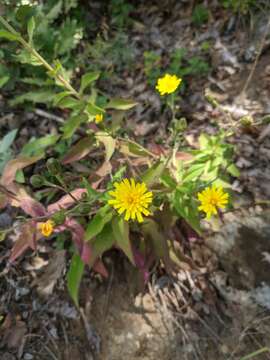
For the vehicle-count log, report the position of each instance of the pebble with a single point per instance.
(28, 356)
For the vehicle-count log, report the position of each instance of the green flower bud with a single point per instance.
(247, 120)
(59, 217)
(37, 181)
(84, 208)
(54, 166)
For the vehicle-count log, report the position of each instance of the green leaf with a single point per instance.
(87, 79)
(9, 36)
(30, 28)
(24, 12)
(55, 11)
(74, 277)
(58, 97)
(121, 234)
(36, 147)
(233, 170)
(7, 140)
(98, 222)
(4, 80)
(103, 242)
(72, 124)
(38, 96)
(108, 142)
(204, 141)
(120, 104)
(93, 109)
(20, 177)
(188, 209)
(194, 172)
(153, 173)
(92, 193)
(70, 103)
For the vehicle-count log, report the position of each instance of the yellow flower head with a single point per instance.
(46, 228)
(168, 84)
(132, 198)
(211, 199)
(98, 118)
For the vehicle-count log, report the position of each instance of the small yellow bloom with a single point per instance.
(211, 199)
(132, 198)
(46, 228)
(98, 118)
(168, 84)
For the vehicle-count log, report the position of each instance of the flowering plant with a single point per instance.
(107, 190)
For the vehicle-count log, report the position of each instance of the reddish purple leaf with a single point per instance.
(66, 201)
(140, 262)
(32, 207)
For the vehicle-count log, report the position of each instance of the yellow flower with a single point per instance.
(168, 84)
(132, 198)
(46, 228)
(98, 118)
(211, 199)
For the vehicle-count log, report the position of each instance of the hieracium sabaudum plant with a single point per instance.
(133, 193)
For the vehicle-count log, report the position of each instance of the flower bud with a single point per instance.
(54, 166)
(37, 181)
(59, 217)
(247, 120)
(84, 208)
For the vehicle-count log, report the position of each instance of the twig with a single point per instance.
(256, 60)
(49, 116)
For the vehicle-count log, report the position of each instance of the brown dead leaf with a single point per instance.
(79, 150)
(26, 239)
(14, 165)
(52, 273)
(12, 332)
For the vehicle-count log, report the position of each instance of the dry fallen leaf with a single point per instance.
(51, 274)
(12, 332)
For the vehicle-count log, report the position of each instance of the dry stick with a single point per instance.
(49, 116)
(256, 60)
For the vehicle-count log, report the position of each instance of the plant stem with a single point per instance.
(29, 48)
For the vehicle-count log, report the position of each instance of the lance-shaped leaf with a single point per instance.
(103, 242)
(37, 147)
(121, 234)
(187, 207)
(121, 104)
(95, 226)
(30, 29)
(87, 80)
(153, 174)
(72, 124)
(74, 277)
(79, 150)
(9, 36)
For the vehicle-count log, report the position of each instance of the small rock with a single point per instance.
(28, 356)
